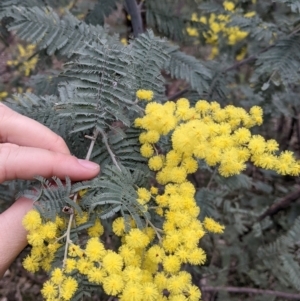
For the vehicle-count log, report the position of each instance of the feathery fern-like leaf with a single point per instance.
(42, 26)
(31, 3)
(286, 268)
(206, 199)
(160, 15)
(51, 199)
(103, 90)
(124, 145)
(184, 66)
(118, 193)
(282, 60)
(259, 30)
(292, 269)
(148, 59)
(42, 110)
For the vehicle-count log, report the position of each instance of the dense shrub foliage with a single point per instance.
(191, 109)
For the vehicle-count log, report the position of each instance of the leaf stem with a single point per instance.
(68, 240)
(112, 155)
(93, 140)
(211, 178)
(68, 231)
(61, 237)
(156, 230)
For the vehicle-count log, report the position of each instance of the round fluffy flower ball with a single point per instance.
(146, 150)
(49, 290)
(143, 194)
(156, 163)
(144, 94)
(113, 284)
(32, 220)
(68, 288)
(137, 239)
(152, 136)
(178, 174)
(118, 226)
(171, 264)
(112, 262)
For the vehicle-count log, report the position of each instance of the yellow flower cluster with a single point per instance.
(46, 240)
(150, 268)
(218, 27)
(219, 136)
(59, 286)
(42, 237)
(150, 261)
(25, 63)
(141, 270)
(181, 231)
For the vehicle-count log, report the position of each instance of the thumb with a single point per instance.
(19, 162)
(13, 235)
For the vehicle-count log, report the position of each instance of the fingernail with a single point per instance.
(88, 164)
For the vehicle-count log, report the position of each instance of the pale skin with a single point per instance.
(27, 149)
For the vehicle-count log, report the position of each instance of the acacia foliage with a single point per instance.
(102, 76)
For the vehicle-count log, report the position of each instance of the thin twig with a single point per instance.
(234, 66)
(112, 155)
(281, 204)
(93, 140)
(22, 63)
(153, 207)
(136, 18)
(211, 178)
(68, 231)
(249, 290)
(178, 94)
(28, 59)
(61, 237)
(297, 124)
(68, 239)
(156, 230)
(249, 59)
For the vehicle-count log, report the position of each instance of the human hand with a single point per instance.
(27, 149)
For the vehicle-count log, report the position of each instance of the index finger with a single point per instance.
(21, 130)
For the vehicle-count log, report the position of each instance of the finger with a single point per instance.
(12, 233)
(21, 130)
(19, 162)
